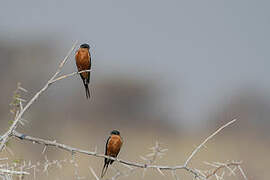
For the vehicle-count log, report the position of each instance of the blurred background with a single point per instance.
(167, 71)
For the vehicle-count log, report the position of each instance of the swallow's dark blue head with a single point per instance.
(115, 132)
(85, 46)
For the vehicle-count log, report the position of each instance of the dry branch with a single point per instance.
(207, 139)
(68, 75)
(6, 136)
(159, 168)
(7, 171)
(223, 166)
(91, 153)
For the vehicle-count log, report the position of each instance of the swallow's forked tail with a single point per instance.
(104, 170)
(86, 83)
(87, 92)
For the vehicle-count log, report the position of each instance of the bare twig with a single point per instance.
(242, 172)
(205, 141)
(6, 171)
(93, 172)
(68, 75)
(218, 168)
(175, 175)
(6, 136)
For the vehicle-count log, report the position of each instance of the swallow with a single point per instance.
(83, 62)
(113, 146)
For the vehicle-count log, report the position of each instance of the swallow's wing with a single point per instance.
(106, 161)
(106, 147)
(90, 59)
(89, 68)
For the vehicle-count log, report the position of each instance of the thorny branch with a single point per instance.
(18, 117)
(221, 166)
(6, 171)
(149, 163)
(207, 139)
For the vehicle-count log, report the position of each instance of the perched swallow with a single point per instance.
(113, 146)
(83, 62)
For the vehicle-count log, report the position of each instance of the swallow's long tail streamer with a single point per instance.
(87, 92)
(104, 170)
(86, 83)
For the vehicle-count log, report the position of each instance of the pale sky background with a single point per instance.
(202, 52)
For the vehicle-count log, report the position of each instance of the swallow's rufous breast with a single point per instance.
(114, 145)
(83, 62)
